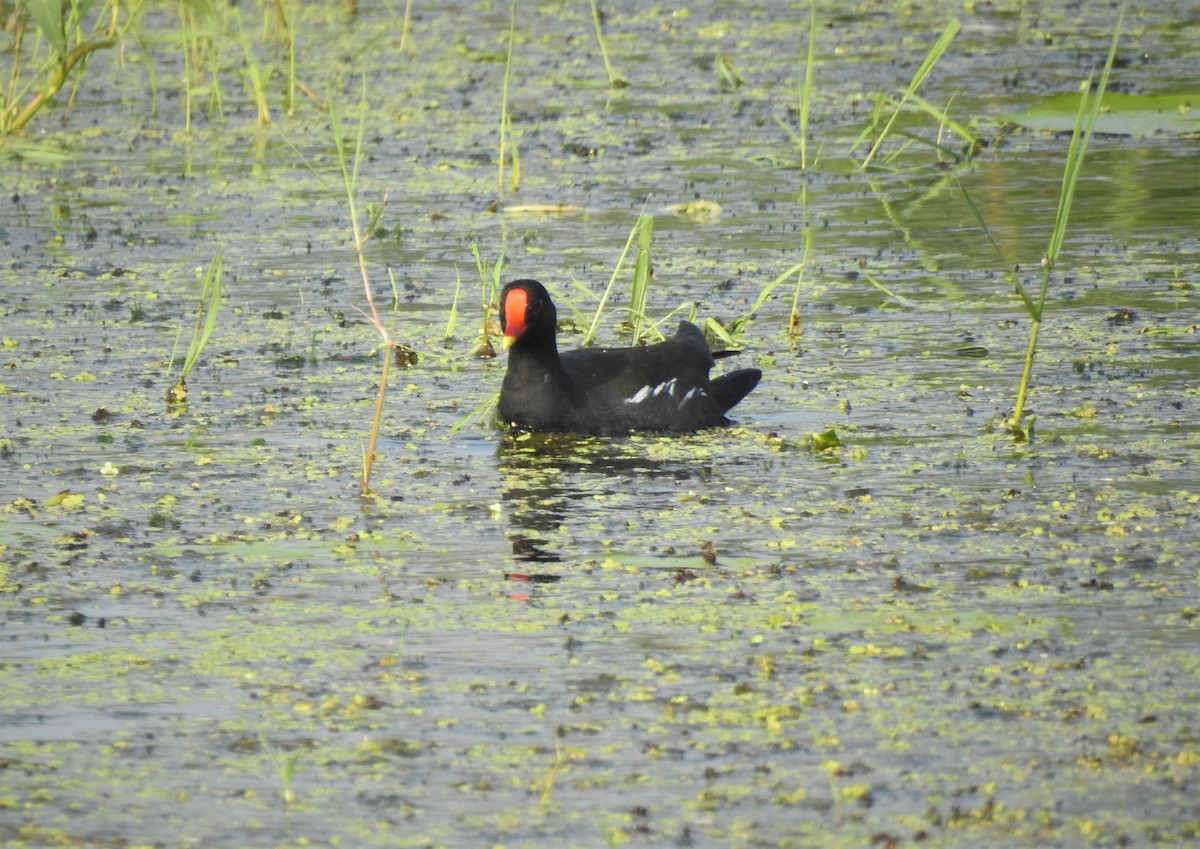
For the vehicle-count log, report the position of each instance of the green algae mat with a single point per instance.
(864, 616)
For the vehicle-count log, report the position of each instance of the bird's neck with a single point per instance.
(537, 352)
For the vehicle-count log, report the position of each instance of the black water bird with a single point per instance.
(663, 387)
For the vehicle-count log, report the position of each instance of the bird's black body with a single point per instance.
(663, 387)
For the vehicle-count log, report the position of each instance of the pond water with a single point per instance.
(931, 634)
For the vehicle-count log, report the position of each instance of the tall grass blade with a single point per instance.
(288, 39)
(590, 336)
(795, 324)
(452, 320)
(481, 412)
(505, 123)
(943, 118)
(515, 158)
(728, 78)
(615, 80)
(55, 79)
(935, 53)
(766, 291)
(407, 45)
(256, 76)
(1030, 307)
(806, 89)
(206, 318)
(977, 214)
(899, 299)
(804, 99)
(285, 768)
(185, 21)
(1085, 121)
(641, 275)
(714, 328)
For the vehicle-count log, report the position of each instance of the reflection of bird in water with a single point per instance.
(552, 480)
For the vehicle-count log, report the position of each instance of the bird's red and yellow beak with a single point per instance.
(513, 318)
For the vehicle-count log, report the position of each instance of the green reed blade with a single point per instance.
(806, 89)
(940, 115)
(206, 315)
(641, 274)
(615, 80)
(590, 336)
(1085, 121)
(504, 119)
(935, 53)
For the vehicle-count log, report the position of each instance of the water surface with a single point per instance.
(931, 635)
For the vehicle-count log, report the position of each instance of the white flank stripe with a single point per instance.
(648, 391)
(639, 396)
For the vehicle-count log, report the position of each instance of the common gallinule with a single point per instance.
(607, 390)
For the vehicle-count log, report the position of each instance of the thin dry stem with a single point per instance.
(389, 346)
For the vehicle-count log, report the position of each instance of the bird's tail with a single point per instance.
(730, 388)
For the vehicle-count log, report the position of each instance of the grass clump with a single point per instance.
(285, 768)
(881, 127)
(45, 55)
(206, 321)
(489, 295)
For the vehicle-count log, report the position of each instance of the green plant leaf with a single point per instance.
(1120, 114)
(49, 17)
(825, 441)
